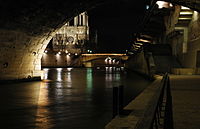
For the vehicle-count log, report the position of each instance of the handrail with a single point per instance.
(159, 109)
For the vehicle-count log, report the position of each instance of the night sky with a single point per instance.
(116, 24)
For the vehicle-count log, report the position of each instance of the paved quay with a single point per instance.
(186, 101)
(185, 98)
(137, 108)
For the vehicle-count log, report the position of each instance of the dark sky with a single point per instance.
(116, 24)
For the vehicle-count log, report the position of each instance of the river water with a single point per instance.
(67, 98)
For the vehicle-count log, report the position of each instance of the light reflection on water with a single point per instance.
(89, 80)
(58, 74)
(45, 73)
(42, 120)
(71, 98)
(77, 89)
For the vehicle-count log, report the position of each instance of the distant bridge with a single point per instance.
(103, 59)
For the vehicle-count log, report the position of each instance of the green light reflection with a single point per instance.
(89, 80)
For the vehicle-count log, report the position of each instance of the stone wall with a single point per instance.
(138, 63)
(189, 59)
(21, 54)
(53, 59)
(186, 50)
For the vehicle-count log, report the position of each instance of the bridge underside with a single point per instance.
(27, 27)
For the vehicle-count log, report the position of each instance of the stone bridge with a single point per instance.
(106, 59)
(92, 57)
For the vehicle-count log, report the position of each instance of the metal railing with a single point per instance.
(158, 114)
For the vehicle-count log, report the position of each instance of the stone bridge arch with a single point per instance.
(25, 30)
(27, 27)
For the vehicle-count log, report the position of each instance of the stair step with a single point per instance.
(186, 12)
(184, 18)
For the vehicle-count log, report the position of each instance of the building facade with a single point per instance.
(68, 44)
(73, 36)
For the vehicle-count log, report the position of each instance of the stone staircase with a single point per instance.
(185, 17)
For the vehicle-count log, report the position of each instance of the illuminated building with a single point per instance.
(73, 35)
(68, 44)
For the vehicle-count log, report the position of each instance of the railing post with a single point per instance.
(121, 99)
(115, 101)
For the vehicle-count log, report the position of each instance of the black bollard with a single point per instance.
(115, 101)
(121, 99)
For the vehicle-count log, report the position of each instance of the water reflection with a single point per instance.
(59, 74)
(45, 76)
(89, 80)
(71, 98)
(80, 96)
(77, 98)
(112, 76)
(69, 79)
(42, 119)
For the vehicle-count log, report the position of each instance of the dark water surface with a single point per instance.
(68, 98)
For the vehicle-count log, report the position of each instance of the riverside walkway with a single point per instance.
(186, 101)
(185, 90)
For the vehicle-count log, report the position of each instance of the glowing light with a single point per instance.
(45, 74)
(195, 16)
(42, 102)
(76, 54)
(46, 69)
(186, 13)
(137, 46)
(59, 53)
(59, 69)
(184, 18)
(162, 4)
(69, 54)
(147, 6)
(59, 74)
(183, 7)
(138, 43)
(89, 80)
(143, 40)
(45, 51)
(69, 69)
(104, 54)
(69, 80)
(110, 61)
(66, 51)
